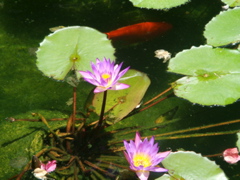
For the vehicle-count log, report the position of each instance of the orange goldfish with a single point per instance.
(139, 32)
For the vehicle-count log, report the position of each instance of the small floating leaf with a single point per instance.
(212, 75)
(189, 165)
(120, 103)
(224, 28)
(158, 4)
(72, 48)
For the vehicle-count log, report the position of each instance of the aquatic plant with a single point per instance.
(44, 169)
(158, 4)
(211, 74)
(105, 76)
(87, 144)
(71, 49)
(143, 156)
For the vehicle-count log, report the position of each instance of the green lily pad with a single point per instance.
(189, 165)
(120, 103)
(232, 3)
(238, 141)
(72, 48)
(166, 177)
(224, 28)
(158, 4)
(212, 75)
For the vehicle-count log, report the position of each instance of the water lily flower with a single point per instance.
(231, 155)
(143, 156)
(40, 173)
(50, 166)
(105, 75)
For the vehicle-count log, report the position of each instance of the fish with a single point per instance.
(143, 31)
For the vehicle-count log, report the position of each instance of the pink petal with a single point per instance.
(151, 141)
(231, 155)
(163, 154)
(43, 166)
(99, 89)
(143, 175)
(119, 86)
(85, 74)
(123, 71)
(158, 169)
(137, 139)
(127, 157)
(51, 166)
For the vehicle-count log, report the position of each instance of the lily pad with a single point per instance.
(238, 141)
(72, 48)
(232, 3)
(224, 28)
(120, 103)
(158, 4)
(212, 75)
(189, 165)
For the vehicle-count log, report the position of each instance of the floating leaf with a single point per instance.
(120, 103)
(224, 28)
(72, 48)
(189, 165)
(238, 141)
(232, 3)
(158, 4)
(212, 75)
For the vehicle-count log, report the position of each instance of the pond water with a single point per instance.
(24, 89)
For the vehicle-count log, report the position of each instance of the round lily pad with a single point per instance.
(224, 28)
(189, 165)
(212, 75)
(72, 48)
(158, 4)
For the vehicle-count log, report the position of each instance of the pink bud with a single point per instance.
(50, 166)
(231, 155)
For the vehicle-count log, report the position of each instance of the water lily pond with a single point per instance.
(85, 82)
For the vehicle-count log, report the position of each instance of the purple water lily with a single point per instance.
(143, 156)
(105, 75)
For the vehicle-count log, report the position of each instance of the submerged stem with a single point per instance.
(198, 128)
(198, 135)
(160, 100)
(94, 166)
(157, 96)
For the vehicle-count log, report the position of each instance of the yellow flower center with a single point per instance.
(106, 75)
(142, 160)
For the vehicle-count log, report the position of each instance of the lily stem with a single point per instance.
(74, 108)
(100, 122)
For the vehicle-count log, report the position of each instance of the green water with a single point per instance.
(24, 89)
